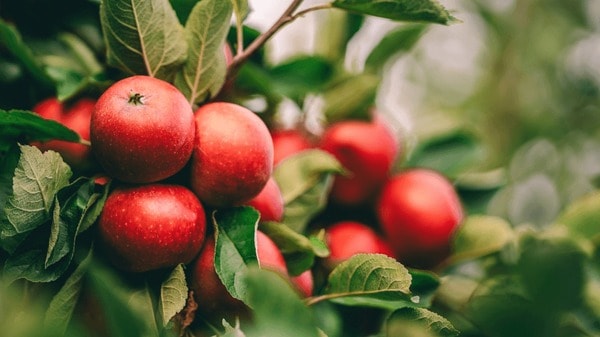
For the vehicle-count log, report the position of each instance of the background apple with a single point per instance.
(142, 130)
(152, 226)
(75, 116)
(367, 150)
(269, 202)
(347, 238)
(233, 154)
(419, 211)
(287, 142)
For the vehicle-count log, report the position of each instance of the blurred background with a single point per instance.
(507, 101)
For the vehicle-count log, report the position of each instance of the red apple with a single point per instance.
(152, 226)
(142, 130)
(269, 202)
(233, 154)
(288, 142)
(77, 118)
(347, 238)
(367, 150)
(304, 283)
(269, 255)
(419, 211)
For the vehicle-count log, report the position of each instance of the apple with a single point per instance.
(367, 149)
(269, 202)
(152, 226)
(232, 155)
(287, 142)
(76, 117)
(142, 130)
(419, 210)
(304, 283)
(347, 238)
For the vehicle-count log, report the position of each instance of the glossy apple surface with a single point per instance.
(233, 154)
(151, 226)
(76, 117)
(142, 130)
(367, 149)
(419, 211)
(269, 202)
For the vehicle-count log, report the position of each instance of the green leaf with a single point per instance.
(16, 124)
(480, 235)
(305, 179)
(299, 76)
(63, 304)
(397, 41)
(37, 178)
(173, 294)
(427, 321)
(241, 9)
(298, 250)
(123, 318)
(203, 74)
(13, 42)
(71, 209)
(451, 153)
(277, 309)
(552, 270)
(8, 164)
(235, 246)
(351, 98)
(143, 37)
(30, 265)
(370, 280)
(581, 217)
(423, 286)
(400, 10)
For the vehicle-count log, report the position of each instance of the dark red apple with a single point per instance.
(142, 130)
(151, 226)
(269, 202)
(367, 150)
(347, 238)
(419, 211)
(288, 142)
(76, 117)
(233, 154)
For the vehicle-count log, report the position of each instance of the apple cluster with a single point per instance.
(143, 132)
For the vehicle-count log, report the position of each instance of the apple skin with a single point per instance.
(288, 142)
(142, 130)
(347, 238)
(304, 283)
(152, 226)
(419, 210)
(233, 154)
(367, 149)
(269, 202)
(77, 118)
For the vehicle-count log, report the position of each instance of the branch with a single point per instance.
(287, 17)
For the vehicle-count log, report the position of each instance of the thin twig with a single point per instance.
(240, 36)
(311, 9)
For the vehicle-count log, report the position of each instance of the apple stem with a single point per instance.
(136, 99)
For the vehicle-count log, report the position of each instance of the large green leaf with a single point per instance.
(37, 178)
(277, 309)
(143, 37)
(173, 294)
(18, 124)
(29, 264)
(297, 77)
(235, 246)
(203, 74)
(402, 10)
(305, 179)
(373, 280)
